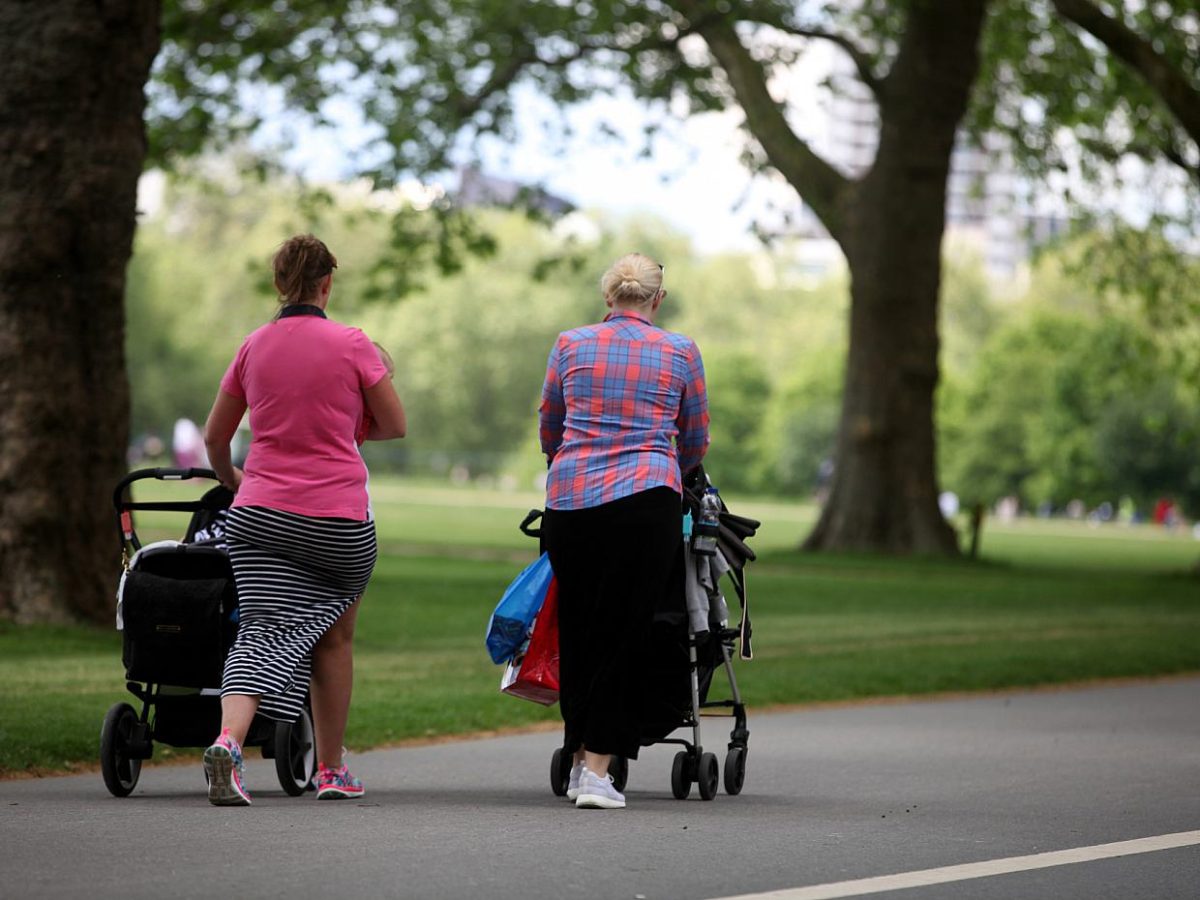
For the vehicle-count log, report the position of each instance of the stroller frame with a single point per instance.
(183, 717)
(692, 765)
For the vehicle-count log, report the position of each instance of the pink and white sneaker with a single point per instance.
(337, 784)
(224, 769)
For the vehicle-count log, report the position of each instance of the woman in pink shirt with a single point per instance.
(301, 541)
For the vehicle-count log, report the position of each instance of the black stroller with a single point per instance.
(691, 638)
(177, 606)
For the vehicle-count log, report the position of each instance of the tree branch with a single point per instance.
(862, 62)
(502, 77)
(821, 185)
(1179, 95)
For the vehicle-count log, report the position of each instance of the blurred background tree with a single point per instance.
(1051, 396)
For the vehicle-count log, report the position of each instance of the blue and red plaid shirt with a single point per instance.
(624, 409)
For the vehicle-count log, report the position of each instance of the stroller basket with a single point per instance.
(177, 601)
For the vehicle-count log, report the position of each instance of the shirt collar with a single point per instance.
(627, 314)
(300, 309)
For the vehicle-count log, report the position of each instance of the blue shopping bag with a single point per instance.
(510, 623)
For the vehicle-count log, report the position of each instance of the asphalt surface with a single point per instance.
(831, 794)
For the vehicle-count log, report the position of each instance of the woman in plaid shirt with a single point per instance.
(624, 415)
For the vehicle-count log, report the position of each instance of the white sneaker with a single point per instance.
(573, 782)
(598, 793)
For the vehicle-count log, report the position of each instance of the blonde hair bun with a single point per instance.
(633, 280)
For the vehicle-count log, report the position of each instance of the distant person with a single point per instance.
(624, 415)
(300, 539)
(1164, 512)
(187, 445)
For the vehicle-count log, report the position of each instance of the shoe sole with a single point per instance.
(572, 794)
(223, 788)
(597, 801)
(337, 794)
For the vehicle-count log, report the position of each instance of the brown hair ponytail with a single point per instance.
(300, 264)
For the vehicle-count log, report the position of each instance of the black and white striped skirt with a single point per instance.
(295, 576)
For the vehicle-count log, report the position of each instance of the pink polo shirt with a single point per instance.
(303, 378)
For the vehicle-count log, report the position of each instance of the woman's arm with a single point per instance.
(552, 413)
(387, 412)
(692, 421)
(222, 424)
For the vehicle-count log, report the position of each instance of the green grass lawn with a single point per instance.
(1049, 602)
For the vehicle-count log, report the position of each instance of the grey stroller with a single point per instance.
(692, 638)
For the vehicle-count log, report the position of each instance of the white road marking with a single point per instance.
(926, 877)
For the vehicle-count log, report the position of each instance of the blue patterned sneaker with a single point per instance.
(573, 781)
(598, 793)
(225, 772)
(337, 784)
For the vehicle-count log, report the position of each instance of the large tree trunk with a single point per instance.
(72, 145)
(884, 492)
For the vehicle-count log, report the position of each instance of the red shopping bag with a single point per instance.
(534, 676)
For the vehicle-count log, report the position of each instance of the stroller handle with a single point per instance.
(162, 474)
(532, 516)
(123, 507)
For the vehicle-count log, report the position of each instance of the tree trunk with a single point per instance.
(884, 495)
(72, 145)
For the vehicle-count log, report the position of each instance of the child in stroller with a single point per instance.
(177, 608)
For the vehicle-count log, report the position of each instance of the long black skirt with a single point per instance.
(614, 564)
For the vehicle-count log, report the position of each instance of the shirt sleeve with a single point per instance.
(371, 369)
(692, 421)
(552, 413)
(231, 381)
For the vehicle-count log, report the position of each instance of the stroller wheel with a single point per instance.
(735, 770)
(119, 768)
(619, 770)
(708, 776)
(681, 779)
(560, 772)
(295, 753)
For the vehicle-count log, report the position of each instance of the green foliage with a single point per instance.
(471, 349)
(1146, 446)
(471, 352)
(1042, 75)
(1065, 394)
(739, 390)
(1071, 397)
(800, 432)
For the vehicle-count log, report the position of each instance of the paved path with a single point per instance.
(832, 796)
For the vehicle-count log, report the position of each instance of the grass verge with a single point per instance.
(1049, 603)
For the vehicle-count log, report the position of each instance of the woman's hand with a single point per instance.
(234, 481)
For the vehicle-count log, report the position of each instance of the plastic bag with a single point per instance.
(509, 626)
(534, 676)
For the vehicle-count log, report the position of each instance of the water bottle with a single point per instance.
(707, 526)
